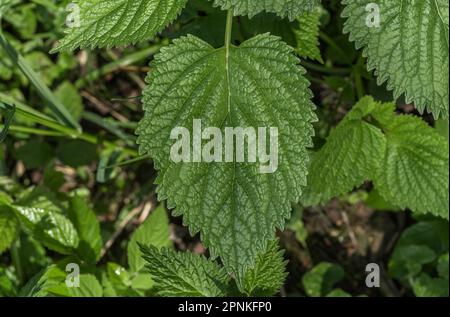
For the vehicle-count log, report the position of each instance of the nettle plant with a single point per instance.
(259, 83)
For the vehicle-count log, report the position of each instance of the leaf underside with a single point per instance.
(409, 50)
(233, 205)
(283, 8)
(108, 23)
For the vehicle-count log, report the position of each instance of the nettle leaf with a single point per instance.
(108, 23)
(405, 158)
(307, 35)
(352, 151)
(9, 227)
(235, 207)
(283, 8)
(184, 274)
(408, 48)
(414, 171)
(268, 275)
(154, 231)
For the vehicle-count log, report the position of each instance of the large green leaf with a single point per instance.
(408, 48)
(184, 274)
(259, 84)
(107, 23)
(284, 8)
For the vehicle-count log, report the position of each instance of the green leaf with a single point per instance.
(268, 275)
(154, 231)
(51, 282)
(320, 279)
(108, 23)
(235, 207)
(47, 281)
(88, 228)
(7, 286)
(407, 261)
(414, 172)
(443, 266)
(9, 227)
(68, 94)
(405, 158)
(409, 48)
(34, 154)
(426, 286)
(307, 35)
(76, 153)
(338, 293)
(89, 287)
(120, 280)
(434, 234)
(283, 8)
(184, 274)
(45, 221)
(352, 151)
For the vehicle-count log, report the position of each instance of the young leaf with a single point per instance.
(414, 171)
(88, 228)
(353, 150)
(259, 84)
(268, 274)
(184, 274)
(307, 35)
(406, 42)
(154, 231)
(283, 8)
(9, 227)
(108, 23)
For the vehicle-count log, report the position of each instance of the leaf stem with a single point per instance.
(60, 112)
(228, 29)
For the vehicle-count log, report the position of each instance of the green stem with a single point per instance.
(59, 110)
(228, 29)
(40, 118)
(16, 260)
(337, 48)
(116, 65)
(326, 70)
(33, 131)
